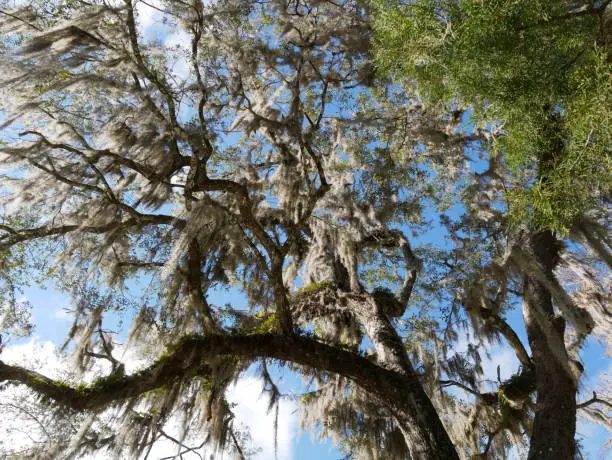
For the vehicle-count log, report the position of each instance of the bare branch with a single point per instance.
(594, 400)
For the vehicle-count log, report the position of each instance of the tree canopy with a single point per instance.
(524, 66)
(373, 181)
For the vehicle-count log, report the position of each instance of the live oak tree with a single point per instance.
(541, 72)
(263, 154)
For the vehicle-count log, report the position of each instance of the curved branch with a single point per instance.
(179, 443)
(187, 360)
(159, 83)
(403, 395)
(489, 398)
(274, 250)
(448, 383)
(14, 16)
(513, 339)
(594, 400)
(396, 238)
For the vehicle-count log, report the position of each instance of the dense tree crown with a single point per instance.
(539, 70)
(374, 180)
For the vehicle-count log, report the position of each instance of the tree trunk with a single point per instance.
(425, 434)
(554, 425)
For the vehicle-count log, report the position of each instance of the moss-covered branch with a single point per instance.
(187, 357)
(402, 394)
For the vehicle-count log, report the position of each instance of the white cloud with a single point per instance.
(148, 17)
(180, 40)
(62, 314)
(153, 24)
(250, 410)
(40, 356)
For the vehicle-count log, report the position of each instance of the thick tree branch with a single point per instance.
(402, 395)
(395, 238)
(187, 360)
(509, 334)
(274, 250)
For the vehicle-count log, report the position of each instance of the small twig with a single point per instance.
(29, 24)
(176, 441)
(448, 383)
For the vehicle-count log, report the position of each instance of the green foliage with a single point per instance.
(173, 347)
(102, 382)
(267, 325)
(312, 288)
(259, 323)
(515, 63)
(308, 398)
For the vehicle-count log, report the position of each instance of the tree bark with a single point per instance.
(554, 425)
(418, 419)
